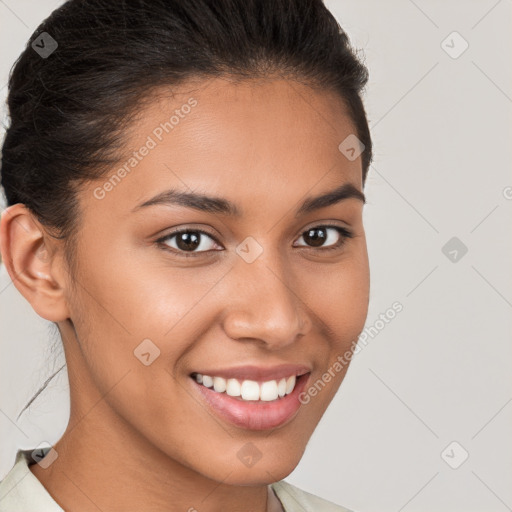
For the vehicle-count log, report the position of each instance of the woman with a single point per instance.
(185, 187)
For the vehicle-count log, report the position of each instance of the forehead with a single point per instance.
(259, 140)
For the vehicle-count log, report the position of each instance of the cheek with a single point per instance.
(133, 312)
(340, 300)
(140, 294)
(340, 296)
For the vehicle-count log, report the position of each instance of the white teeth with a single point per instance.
(219, 384)
(290, 384)
(268, 391)
(233, 387)
(281, 387)
(207, 381)
(249, 389)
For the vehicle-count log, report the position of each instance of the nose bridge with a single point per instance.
(265, 305)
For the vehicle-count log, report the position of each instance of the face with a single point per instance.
(259, 283)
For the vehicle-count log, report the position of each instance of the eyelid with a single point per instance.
(325, 224)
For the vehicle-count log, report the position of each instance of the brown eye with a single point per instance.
(316, 236)
(188, 241)
(328, 237)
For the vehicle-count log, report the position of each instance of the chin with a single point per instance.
(268, 469)
(252, 477)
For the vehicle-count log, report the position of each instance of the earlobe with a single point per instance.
(32, 264)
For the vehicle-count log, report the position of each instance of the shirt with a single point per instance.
(21, 491)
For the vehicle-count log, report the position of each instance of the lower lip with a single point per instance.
(254, 415)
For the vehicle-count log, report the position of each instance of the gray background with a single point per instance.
(440, 371)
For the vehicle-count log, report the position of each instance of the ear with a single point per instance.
(34, 263)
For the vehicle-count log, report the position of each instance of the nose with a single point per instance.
(265, 304)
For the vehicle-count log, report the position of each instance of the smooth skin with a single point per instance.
(138, 438)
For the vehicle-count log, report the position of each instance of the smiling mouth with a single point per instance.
(250, 404)
(247, 389)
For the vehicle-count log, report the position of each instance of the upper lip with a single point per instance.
(258, 373)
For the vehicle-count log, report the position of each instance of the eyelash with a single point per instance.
(344, 232)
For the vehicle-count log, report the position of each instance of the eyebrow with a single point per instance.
(223, 206)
